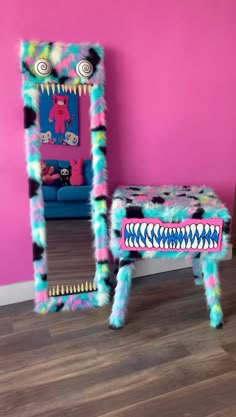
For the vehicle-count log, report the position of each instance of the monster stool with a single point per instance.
(168, 222)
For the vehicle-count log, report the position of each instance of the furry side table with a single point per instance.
(168, 222)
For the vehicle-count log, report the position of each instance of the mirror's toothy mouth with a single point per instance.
(65, 88)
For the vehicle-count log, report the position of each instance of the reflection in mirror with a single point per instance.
(67, 183)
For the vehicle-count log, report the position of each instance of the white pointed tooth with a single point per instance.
(74, 89)
(188, 244)
(127, 227)
(187, 228)
(80, 89)
(63, 88)
(66, 88)
(70, 88)
(211, 244)
(155, 229)
(206, 245)
(217, 230)
(127, 242)
(131, 226)
(171, 245)
(166, 231)
(174, 230)
(200, 246)
(212, 227)
(89, 88)
(170, 230)
(48, 88)
(155, 243)
(143, 229)
(161, 244)
(58, 88)
(136, 243)
(53, 88)
(161, 230)
(183, 244)
(136, 227)
(149, 230)
(193, 229)
(215, 244)
(85, 88)
(131, 245)
(178, 245)
(42, 87)
(178, 230)
(194, 245)
(200, 228)
(148, 243)
(166, 245)
(207, 227)
(141, 244)
(183, 230)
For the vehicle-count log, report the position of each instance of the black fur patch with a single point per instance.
(135, 255)
(50, 44)
(181, 195)
(27, 68)
(37, 252)
(134, 188)
(104, 217)
(166, 193)
(125, 262)
(129, 200)
(54, 73)
(29, 117)
(117, 233)
(33, 187)
(107, 282)
(198, 213)
(103, 149)
(201, 191)
(59, 307)
(193, 197)
(134, 212)
(94, 58)
(198, 255)
(100, 197)
(63, 79)
(44, 277)
(104, 262)
(98, 128)
(220, 325)
(226, 227)
(186, 186)
(158, 200)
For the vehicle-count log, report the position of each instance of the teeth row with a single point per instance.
(151, 244)
(66, 88)
(134, 227)
(71, 289)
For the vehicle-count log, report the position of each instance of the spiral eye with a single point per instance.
(84, 68)
(42, 67)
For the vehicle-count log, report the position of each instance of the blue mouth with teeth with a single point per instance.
(153, 236)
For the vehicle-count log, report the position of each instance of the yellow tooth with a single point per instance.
(74, 89)
(66, 88)
(58, 88)
(53, 291)
(50, 292)
(57, 290)
(53, 88)
(47, 88)
(63, 88)
(78, 288)
(85, 88)
(67, 289)
(90, 286)
(71, 289)
(80, 89)
(94, 286)
(62, 290)
(75, 290)
(86, 286)
(82, 287)
(42, 87)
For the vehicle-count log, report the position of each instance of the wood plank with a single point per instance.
(5, 326)
(23, 341)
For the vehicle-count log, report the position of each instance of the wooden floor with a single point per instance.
(166, 362)
(70, 251)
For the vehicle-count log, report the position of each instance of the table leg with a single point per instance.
(121, 298)
(197, 269)
(212, 291)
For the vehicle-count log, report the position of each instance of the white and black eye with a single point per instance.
(84, 68)
(42, 67)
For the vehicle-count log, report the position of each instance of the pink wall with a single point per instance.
(73, 152)
(170, 90)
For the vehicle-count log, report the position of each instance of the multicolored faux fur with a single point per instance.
(173, 206)
(65, 67)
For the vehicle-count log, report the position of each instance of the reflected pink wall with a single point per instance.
(171, 91)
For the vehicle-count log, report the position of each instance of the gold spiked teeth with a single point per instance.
(57, 290)
(66, 88)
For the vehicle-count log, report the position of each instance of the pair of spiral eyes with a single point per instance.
(43, 68)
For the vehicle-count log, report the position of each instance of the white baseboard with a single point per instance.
(24, 291)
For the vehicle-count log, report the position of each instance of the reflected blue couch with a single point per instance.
(68, 201)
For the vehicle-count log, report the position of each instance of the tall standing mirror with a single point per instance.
(65, 136)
